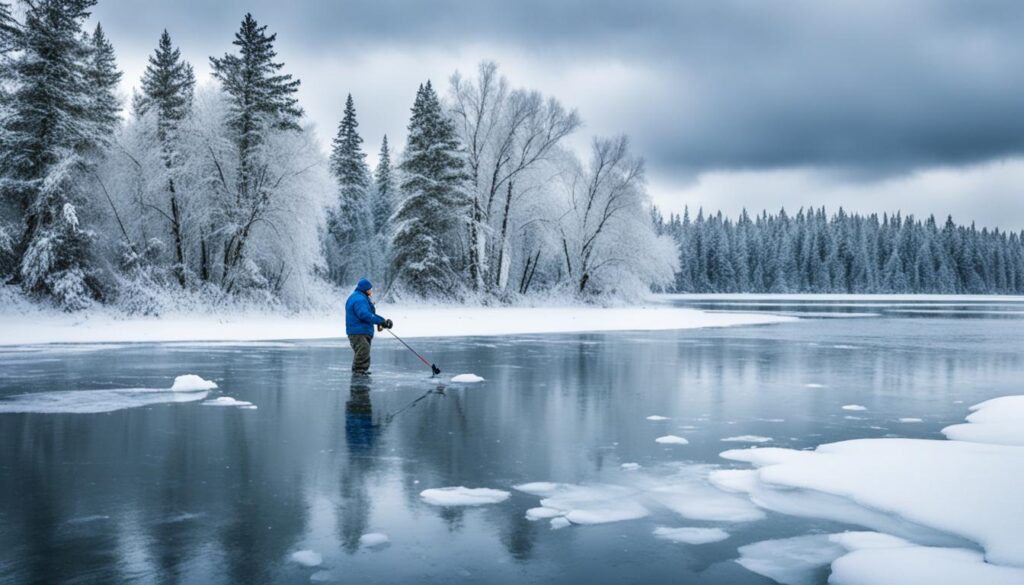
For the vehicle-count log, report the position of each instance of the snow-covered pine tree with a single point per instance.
(351, 223)
(434, 203)
(383, 206)
(168, 86)
(261, 101)
(102, 76)
(48, 130)
(9, 34)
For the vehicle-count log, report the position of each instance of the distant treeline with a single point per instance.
(842, 253)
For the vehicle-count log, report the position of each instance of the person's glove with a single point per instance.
(388, 324)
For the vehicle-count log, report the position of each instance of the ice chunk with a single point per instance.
(802, 560)
(307, 558)
(94, 401)
(229, 401)
(585, 504)
(747, 439)
(657, 417)
(542, 513)
(463, 496)
(191, 383)
(671, 440)
(630, 466)
(559, 522)
(537, 488)
(373, 539)
(691, 535)
(466, 379)
(854, 407)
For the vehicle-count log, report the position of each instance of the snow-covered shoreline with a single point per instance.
(410, 321)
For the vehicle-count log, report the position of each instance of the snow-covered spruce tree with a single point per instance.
(383, 206)
(433, 206)
(102, 77)
(604, 221)
(262, 104)
(168, 85)
(9, 213)
(350, 246)
(50, 129)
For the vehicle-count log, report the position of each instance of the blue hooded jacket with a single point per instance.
(360, 316)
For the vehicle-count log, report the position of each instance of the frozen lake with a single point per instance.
(191, 493)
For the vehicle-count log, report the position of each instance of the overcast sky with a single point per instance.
(872, 105)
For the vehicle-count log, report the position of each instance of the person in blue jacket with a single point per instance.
(360, 319)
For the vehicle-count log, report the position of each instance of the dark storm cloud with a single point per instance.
(871, 87)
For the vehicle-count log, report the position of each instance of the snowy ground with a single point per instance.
(420, 321)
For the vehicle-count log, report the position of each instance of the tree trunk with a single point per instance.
(179, 251)
(502, 268)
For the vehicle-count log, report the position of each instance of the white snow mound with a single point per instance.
(229, 401)
(191, 383)
(463, 496)
(466, 379)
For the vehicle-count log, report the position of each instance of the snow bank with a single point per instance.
(466, 379)
(411, 321)
(935, 492)
(307, 558)
(187, 388)
(463, 496)
(921, 565)
(999, 421)
(690, 535)
(671, 440)
(191, 383)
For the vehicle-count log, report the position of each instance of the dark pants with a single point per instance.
(360, 352)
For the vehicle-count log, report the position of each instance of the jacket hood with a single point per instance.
(364, 285)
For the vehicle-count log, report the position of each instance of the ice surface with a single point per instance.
(93, 401)
(191, 383)
(373, 539)
(321, 577)
(229, 401)
(856, 407)
(307, 558)
(747, 439)
(466, 379)
(691, 535)
(657, 417)
(671, 440)
(463, 496)
(801, 560)
(630, 466)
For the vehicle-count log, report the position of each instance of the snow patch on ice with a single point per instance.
(671, 440)
(229, 401)
(855, 407)
(911, 419)
(999, 421)
(466, 379)
(630, 466)
(814, 385)
(920, 565)
(463, 496)
(691, 535)
(657, 417)
(542, 513)
(373, 540)
(560, 522)
(748, 439)
(307, 558)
